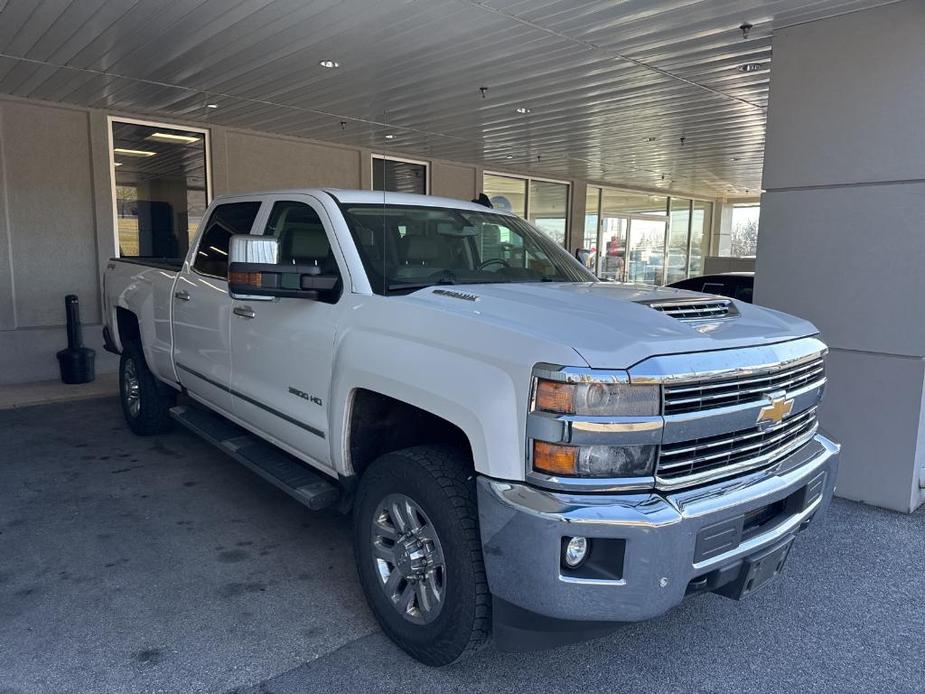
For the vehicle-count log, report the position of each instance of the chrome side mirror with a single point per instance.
(246, 248)
(254, 273)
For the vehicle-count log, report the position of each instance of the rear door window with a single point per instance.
(228, 219)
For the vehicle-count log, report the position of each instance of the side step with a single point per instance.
(277, 467)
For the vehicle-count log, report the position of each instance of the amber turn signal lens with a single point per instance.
(553, 396)
(250, 279)
(554, 459)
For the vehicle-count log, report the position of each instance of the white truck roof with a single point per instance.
(373, 197)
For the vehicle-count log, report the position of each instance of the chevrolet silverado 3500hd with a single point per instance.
(526, 450)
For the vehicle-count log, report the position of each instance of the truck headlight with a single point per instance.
(593, 461)
(597, 399)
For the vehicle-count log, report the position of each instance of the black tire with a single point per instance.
(440, 481)
(152, 413)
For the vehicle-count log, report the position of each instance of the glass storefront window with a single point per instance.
(745, 230)
(647, 252)
(678, 228)
(161, 190)
(592, 215)
(506, 193)
(399, 176)
(701, 219)
(548, 209)
(543, 203)
(612, 264)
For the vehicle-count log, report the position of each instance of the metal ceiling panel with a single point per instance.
(611, 87)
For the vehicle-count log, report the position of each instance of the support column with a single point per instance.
(842, 241)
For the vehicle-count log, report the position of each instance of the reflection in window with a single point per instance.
(161, 188)
(548, 204)
(399, 176)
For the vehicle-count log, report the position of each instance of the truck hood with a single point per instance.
(609, 324)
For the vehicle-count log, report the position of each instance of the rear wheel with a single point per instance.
(419, 555)
(146, 402)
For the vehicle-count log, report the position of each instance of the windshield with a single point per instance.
(406, 247)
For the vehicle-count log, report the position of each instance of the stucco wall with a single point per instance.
(841, 240)
(56, 212)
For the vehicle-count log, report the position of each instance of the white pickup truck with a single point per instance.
(527, 451)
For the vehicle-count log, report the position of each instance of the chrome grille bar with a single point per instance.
(714, 393)
(685, 463)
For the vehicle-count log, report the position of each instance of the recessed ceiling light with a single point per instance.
(133, 152)
(651, 138)
(172, 137)
(754, 67)
(389, 137)
(522, 109)
(211, 105)
(509, 156)
(328, 63)
(117, 163)
(735, 159)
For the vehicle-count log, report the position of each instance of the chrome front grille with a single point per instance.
(696, 310)
(686, 462)
(710, 394)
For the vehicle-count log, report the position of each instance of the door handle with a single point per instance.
(244, 312)
(182, 295)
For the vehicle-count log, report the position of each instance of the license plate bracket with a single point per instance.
(758, 570)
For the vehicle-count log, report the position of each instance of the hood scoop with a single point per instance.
(695, 310)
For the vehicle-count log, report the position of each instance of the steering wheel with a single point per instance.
(493, 261)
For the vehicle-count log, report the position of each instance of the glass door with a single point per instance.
(646, 263)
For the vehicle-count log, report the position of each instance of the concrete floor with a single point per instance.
(160, 565)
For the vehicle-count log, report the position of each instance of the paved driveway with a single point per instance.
(160, 565)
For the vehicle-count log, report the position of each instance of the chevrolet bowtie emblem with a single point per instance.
(777, 408)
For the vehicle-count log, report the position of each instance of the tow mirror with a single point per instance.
(254, 270)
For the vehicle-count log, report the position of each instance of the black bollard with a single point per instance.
(77, 361)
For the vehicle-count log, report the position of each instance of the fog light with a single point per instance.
(576, 551)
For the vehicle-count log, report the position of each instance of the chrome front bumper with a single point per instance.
(522, 529)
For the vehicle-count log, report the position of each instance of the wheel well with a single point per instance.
(380, 424)
(127, 325)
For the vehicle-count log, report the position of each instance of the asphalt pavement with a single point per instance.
(159, 564)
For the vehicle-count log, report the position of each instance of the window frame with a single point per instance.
(527, 197)
(403, 160)
(692, 199)
(110, 119)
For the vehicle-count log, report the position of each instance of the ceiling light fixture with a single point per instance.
(172, 137)
(754, 67)
(211, 105)
(328, 63)
(651, 138)
(117, 163)
(509, 156)
(522, 109)
(133, 152)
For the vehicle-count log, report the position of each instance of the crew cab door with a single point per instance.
(202, 307)
(282, 349)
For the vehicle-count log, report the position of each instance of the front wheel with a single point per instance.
(146, 402)
(419, 555)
